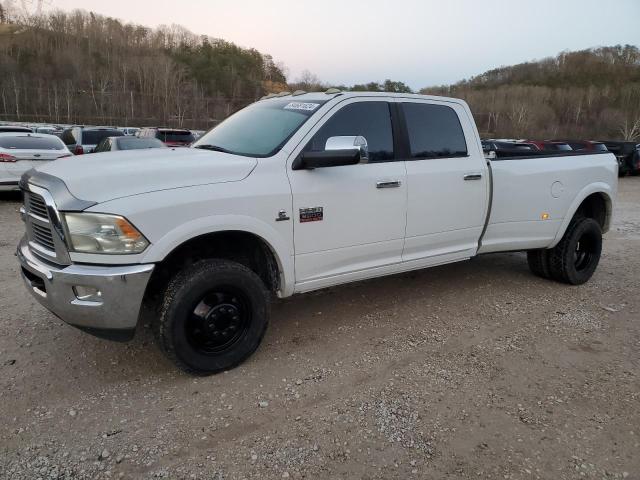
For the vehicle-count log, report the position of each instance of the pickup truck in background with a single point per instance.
(295, 193)
(628, 156)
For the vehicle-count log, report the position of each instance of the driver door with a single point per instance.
(349, 221)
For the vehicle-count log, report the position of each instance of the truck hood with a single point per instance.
(99, 177)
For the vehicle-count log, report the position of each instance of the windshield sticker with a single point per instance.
(309, 107)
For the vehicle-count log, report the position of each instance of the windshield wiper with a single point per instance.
(213, 148)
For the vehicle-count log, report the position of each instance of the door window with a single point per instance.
(434, 131)
(372, 120)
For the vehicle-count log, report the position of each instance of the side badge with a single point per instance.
(282, 216)
(310, 214)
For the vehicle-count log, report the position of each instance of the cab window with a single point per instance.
(434, 131)
(372, 120)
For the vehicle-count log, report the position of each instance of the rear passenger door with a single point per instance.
(447, 182)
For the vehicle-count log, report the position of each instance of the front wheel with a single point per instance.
(577, 255)
(213, 317)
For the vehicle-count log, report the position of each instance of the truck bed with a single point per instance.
(534, 196)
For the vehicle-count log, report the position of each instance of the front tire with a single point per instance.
(575, 258)
(213, 317)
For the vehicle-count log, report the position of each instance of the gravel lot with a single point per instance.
(472, 370)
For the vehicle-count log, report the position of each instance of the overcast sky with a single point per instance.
(422, 43)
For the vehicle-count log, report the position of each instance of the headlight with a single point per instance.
(102, 233)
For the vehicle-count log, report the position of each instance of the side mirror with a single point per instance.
(349, 143)
(339, 151)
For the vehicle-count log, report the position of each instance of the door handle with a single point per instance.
(473, 176)
(389, 184)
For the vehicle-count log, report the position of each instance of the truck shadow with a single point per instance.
(312, 318)
(369, 296)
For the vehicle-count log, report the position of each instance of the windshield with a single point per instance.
(133, 143)
(31, 143)
(175, 136)
(261, 129)
(93, 137)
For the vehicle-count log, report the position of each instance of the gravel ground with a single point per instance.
(472, 370)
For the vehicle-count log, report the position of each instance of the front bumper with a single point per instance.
(113, 314)
(8, 185)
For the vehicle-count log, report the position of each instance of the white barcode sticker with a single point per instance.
(301, 106)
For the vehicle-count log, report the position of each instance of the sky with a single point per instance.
(422, 43)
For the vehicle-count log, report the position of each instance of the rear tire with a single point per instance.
(538, 261)
(576, 257)
(213, 317)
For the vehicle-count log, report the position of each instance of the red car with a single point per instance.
(585, 145)
(550, 145)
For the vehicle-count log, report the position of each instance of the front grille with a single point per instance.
(37, 205)
(42, 235)
(39, 224)
(44, 230)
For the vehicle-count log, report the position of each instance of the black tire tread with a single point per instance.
(182, 280)
(538, 263)
(559, 256)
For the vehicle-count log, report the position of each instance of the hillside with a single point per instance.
(80, 67)
(592, 93)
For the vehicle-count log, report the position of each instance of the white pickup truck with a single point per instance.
(291, 194)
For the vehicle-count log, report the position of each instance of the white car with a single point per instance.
(130, 131)
(20, 152)
(291, 194)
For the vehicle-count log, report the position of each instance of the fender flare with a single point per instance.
(597, 187)
(282, 252)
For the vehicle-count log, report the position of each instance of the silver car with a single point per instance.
(112, 144)
(20, 152)
(81, 139)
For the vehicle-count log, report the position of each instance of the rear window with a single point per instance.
(434, 131)
(15, 129)
(133, 143)
(30, 143)
(175, 136)
(93, 137)
(600, 147)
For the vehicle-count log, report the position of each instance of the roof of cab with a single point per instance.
(333, 94)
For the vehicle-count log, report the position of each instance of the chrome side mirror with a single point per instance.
(349, 143)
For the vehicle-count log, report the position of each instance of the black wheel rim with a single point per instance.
(585, 252)
(218, 321)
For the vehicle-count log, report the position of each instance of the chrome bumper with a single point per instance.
(112, 314)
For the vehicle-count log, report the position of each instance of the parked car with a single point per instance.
(293, 194)
(112, 144)
(130, 131)
(20, 152)
(172, 137)
(628, 156)
(550, 145)
(584, 145)
(508, 148)
(48, 129)
(15, 129)
(80, 139)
